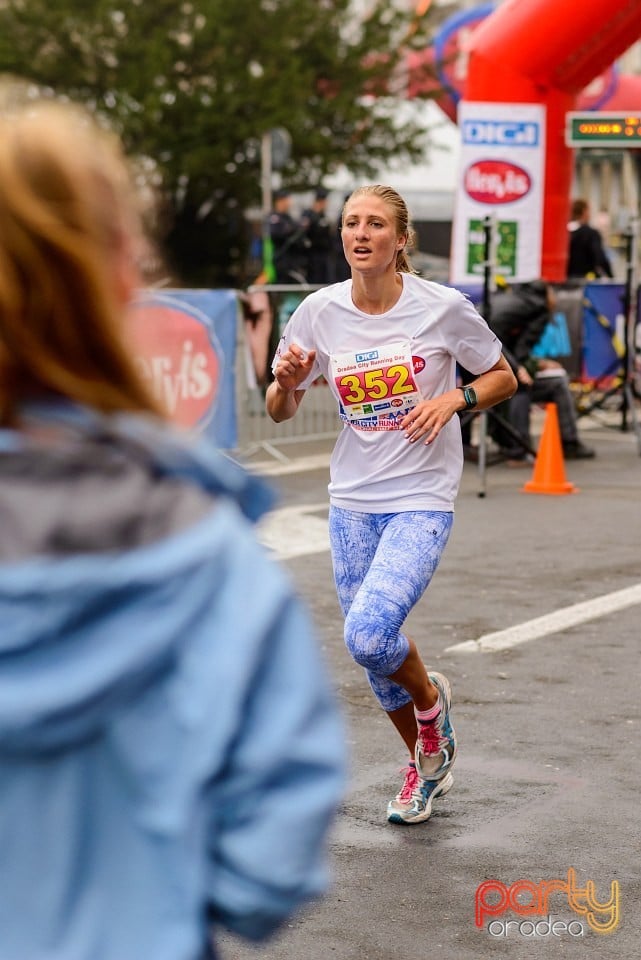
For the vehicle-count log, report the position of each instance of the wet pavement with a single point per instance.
(547, 777)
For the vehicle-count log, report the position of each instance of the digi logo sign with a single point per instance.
(501, 133)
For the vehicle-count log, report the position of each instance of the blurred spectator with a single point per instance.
(342, 269)
(319, 232)
(170, 755)
(586, 255)
(518, 316)
(289, 241)
(259, 320)
(602, 222)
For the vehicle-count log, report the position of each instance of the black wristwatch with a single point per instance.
(469, 394)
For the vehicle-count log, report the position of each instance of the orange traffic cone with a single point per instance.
(549, 468)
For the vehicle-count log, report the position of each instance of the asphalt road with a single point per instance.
(548, 772)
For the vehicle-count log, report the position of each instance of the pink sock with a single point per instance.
(425, 716)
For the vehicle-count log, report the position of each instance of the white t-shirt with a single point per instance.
(378, 367)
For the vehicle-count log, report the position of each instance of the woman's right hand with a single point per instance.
(293, 366)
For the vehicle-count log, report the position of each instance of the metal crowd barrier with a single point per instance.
(266, 308)
(264, 311)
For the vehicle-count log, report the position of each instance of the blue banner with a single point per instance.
(185, 347)
(603, 330)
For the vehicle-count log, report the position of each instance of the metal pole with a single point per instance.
(627, 308)
(629, 312)
(266, 180)
(488, 232)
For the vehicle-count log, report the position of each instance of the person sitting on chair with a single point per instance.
(519, 315)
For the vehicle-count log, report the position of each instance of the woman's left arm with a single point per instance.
(496, 384)
(428, 418)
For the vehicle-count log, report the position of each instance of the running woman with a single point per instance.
(388, 343)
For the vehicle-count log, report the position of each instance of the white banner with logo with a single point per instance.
(502, 171)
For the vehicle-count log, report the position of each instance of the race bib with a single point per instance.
(376, 387)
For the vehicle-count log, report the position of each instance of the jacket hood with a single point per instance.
(84, 633)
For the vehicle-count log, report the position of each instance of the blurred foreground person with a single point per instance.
(170, 754)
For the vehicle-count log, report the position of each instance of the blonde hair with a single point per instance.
(66, 215)
(398, 206)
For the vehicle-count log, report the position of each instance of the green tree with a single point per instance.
(192, 86)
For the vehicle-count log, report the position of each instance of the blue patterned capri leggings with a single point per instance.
(383, 563)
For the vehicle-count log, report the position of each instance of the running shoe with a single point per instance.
(413, 804)
(436, 741)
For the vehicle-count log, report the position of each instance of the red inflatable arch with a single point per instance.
(546, 52)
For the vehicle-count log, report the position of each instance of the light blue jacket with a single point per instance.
(171, 755)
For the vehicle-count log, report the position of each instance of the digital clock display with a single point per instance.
(603, 130)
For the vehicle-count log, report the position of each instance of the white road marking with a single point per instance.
(318, 461)
(551, 623)
(294, 531)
